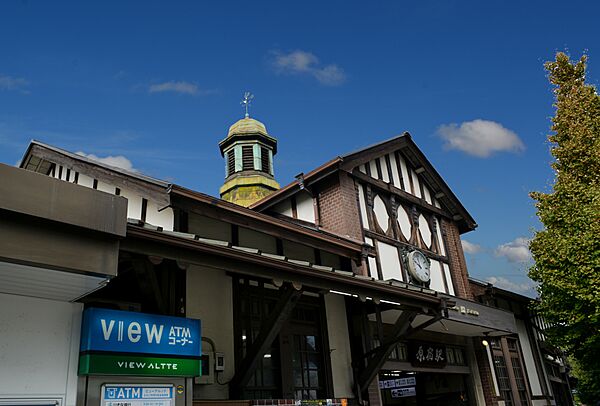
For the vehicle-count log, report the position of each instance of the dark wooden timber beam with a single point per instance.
(379, 184)
(411, 331)
(381, 353)
(269, 330)
(146, 276)
(149, 242)
(225, 211)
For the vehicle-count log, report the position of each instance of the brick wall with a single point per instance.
(339, 211)
(374, 393)
(485, 373)
(338, 207)
(456, 257)
(477, 290)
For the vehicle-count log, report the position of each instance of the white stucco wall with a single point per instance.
(305, 207)
(85, 180)
(39, 347)
(134, 204)
(448, 279)
(339, 343)
(284, 208)
(389, 260)
(532, 375)
(106, 187)
(209, 298)
(404, 171)
(475, 377)
(416, 183)
(363, 206)
(164, 218)
(436, 278)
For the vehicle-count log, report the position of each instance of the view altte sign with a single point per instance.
(128, 343)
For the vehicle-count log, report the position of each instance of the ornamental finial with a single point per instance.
(246, 102)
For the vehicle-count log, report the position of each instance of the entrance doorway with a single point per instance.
(408, 388)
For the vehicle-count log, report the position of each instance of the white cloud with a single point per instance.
(515, 251)
(330, 75)
(12, 83)
(469, 247)
(118, 161)
(480, 138)
(302, 62)
(176, 87)
(296, 61)
(506, 284)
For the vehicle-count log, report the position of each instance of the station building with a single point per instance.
(347, 286)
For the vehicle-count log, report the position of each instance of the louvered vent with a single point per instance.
(230, 163)
(247, 158)
(264, 159)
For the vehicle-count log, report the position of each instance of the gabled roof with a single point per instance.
(221, 209)
(502, 292)
(169, 194)
(351, 161)
(39, 156)
(81, 158)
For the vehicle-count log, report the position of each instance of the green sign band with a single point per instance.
(103, 364)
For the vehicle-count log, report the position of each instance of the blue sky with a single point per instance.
(158, 83)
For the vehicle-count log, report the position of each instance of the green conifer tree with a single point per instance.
(567, 250)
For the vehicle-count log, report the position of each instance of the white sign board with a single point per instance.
(404, 392)
(137, 395)
(397, 383)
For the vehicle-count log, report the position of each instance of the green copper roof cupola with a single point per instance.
(248, 150)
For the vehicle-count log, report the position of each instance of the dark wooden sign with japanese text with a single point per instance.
(427, 355)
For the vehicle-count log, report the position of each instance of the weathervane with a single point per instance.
(246, 102)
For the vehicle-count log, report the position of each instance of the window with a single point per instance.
(294, 365)
(509, 371)
(503, 379)
(264, 160)
(307, 368)
(247, 158)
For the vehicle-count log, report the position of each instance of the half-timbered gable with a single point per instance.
(390, 197)
(400, 211)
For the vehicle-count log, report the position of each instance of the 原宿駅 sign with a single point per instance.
(429, 355)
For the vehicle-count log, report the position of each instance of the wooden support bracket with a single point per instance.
(381, 353)
(270, 328)
(148, 282)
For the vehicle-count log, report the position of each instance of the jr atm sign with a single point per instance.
(139, 344)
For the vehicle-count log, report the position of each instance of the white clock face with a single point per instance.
(418, 265)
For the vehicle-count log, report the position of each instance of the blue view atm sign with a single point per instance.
(141, 333)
